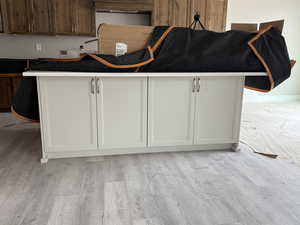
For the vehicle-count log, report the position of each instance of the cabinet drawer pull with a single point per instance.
(93, 86)
(198, 84)
(194, 84)
(97, 86)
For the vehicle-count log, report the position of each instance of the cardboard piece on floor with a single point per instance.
(135, 37)
(278, 24)
(273, 156)
(248, 27)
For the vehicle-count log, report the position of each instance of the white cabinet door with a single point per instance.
(171, 111)
(122, 112)
(218, 110)
(68, 113)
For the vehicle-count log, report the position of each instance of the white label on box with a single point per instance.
(121, 49)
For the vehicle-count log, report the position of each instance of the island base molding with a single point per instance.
(82, 116)
(122, 151)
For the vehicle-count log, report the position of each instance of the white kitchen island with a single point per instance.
(92, 114)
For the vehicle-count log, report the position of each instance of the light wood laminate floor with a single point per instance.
(196, 188)
(273, 128)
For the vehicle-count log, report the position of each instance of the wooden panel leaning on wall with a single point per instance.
(8, 87)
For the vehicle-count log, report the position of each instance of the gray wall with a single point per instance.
(24, 46)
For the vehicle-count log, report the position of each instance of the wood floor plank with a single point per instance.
(116, 211)
(191, 188)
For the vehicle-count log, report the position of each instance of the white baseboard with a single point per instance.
(270, 98)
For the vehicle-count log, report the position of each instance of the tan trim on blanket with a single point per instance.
(261, 59)
(256, 89)
(162, 38)
(106, 63)
(103, 61)
(22, 117)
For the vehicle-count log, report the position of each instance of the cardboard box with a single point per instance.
(111, 38)
(278, 24)
(248, 27)
(135, 37)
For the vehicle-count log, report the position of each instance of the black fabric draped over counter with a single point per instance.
(175, 49)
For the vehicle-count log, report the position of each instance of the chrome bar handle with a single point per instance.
(97, 85)
(194, 84)
(198, 84)
(93, 85)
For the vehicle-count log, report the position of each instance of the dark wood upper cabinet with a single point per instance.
(74, 17)
(171, 12)
(181, 13)
(77, 17)
(40, 17)
(84, 17)
(15, 16)
(178, 12)
(125, 5)
(26, 16)
(216, 12)
(63, 15)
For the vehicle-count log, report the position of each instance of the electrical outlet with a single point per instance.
(38, 47)
(63, 52)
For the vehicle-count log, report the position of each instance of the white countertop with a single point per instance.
(136, 74)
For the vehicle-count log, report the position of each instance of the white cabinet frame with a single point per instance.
(122, 112)
(63, 129)
(143, 109)
(171, 111)
(218, 109)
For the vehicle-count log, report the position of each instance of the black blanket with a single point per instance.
(174, 49)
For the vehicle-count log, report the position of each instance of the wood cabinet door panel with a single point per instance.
(68, 113)
(216, 12)
(181, 13)
(171, 111)
(85, 17)
(178, 12)
(16, 12)
(41, 17)
(170, 12)
(63, 12)
(127, 5)
(122, 112)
